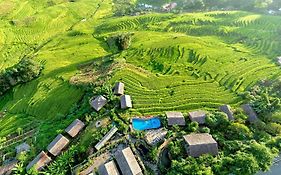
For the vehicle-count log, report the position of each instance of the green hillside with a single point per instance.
(179, 62)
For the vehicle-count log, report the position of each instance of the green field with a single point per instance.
(177, 62)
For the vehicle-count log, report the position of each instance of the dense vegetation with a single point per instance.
(168, 61)
(25, 71)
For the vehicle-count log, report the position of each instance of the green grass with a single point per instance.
(176, 62)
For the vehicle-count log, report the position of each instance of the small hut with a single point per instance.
(127, 162)
(126, 102)
(39, 162)
(279, 60)
(98, 103)
(24, 147)
(119, 88)
(252, 116)
(102, 142)
(57, 145)
(108, 168)
(197, 116)
(175, 118)
(199, 144)
(227, 110)
(75, 127)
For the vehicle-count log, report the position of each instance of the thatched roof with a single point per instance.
(197, 116)
(102, 142)
(227, 110)
(127, 162)
(119, 88)
(175, 118)
(126, 102)
(252, 116)
(24, 147)
(75, 127)
(109, 168)
(39, 162)
(57, 145)
(98, 102)
(199, 144)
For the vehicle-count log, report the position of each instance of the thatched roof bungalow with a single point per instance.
(199, 144)
(198, 116)
(126, 102)
(152, 137)
(252, 116)
(75, 127)
(39, 162)
(227, 110)
(175, 118)
(98, 103)
(127, 162)
(119, 88)
(102, 142)
(108, 168)
(57, 145)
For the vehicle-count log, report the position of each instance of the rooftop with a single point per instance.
(175, 118)
(199, 139)
(102, 142)
(127, 162)
(108, 168)
(24, 147)
(75, 127)
(98, 102)
(198, 116)
(119, 88)
(57, 145)
(227, 110)
(252, 116)
(39, 161)
(126, 101)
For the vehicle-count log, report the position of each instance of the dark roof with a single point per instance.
(24, 147)
(252, 116)
(101, 143)
(175, 118)
(199, 144)
(108, 168)
(119, 88)
(227, 110)
(98, 102)
(197, 116)
(57, 145)
(126, 101)
(127, 162)
(39, 161)
(75, 127)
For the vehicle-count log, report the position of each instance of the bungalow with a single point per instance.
(98, 102)
(24, 147)
(109, 168)
(252, 116)
(75, 127)
(227, 110)
(126, 102)
(175, 118)
(199, 144)
(152, 137)
(102, 142)
(57, 145)
(127, 162)
(7, 168)
(119, 88)
(39, 162)
(197, 116)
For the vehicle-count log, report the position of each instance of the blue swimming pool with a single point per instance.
(144, 124)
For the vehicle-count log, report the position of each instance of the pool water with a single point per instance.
(144, 124)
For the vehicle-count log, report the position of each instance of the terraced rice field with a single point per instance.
(176, 61)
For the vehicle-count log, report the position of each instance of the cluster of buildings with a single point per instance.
(54, 149)
(125, 100)
(127, 164)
